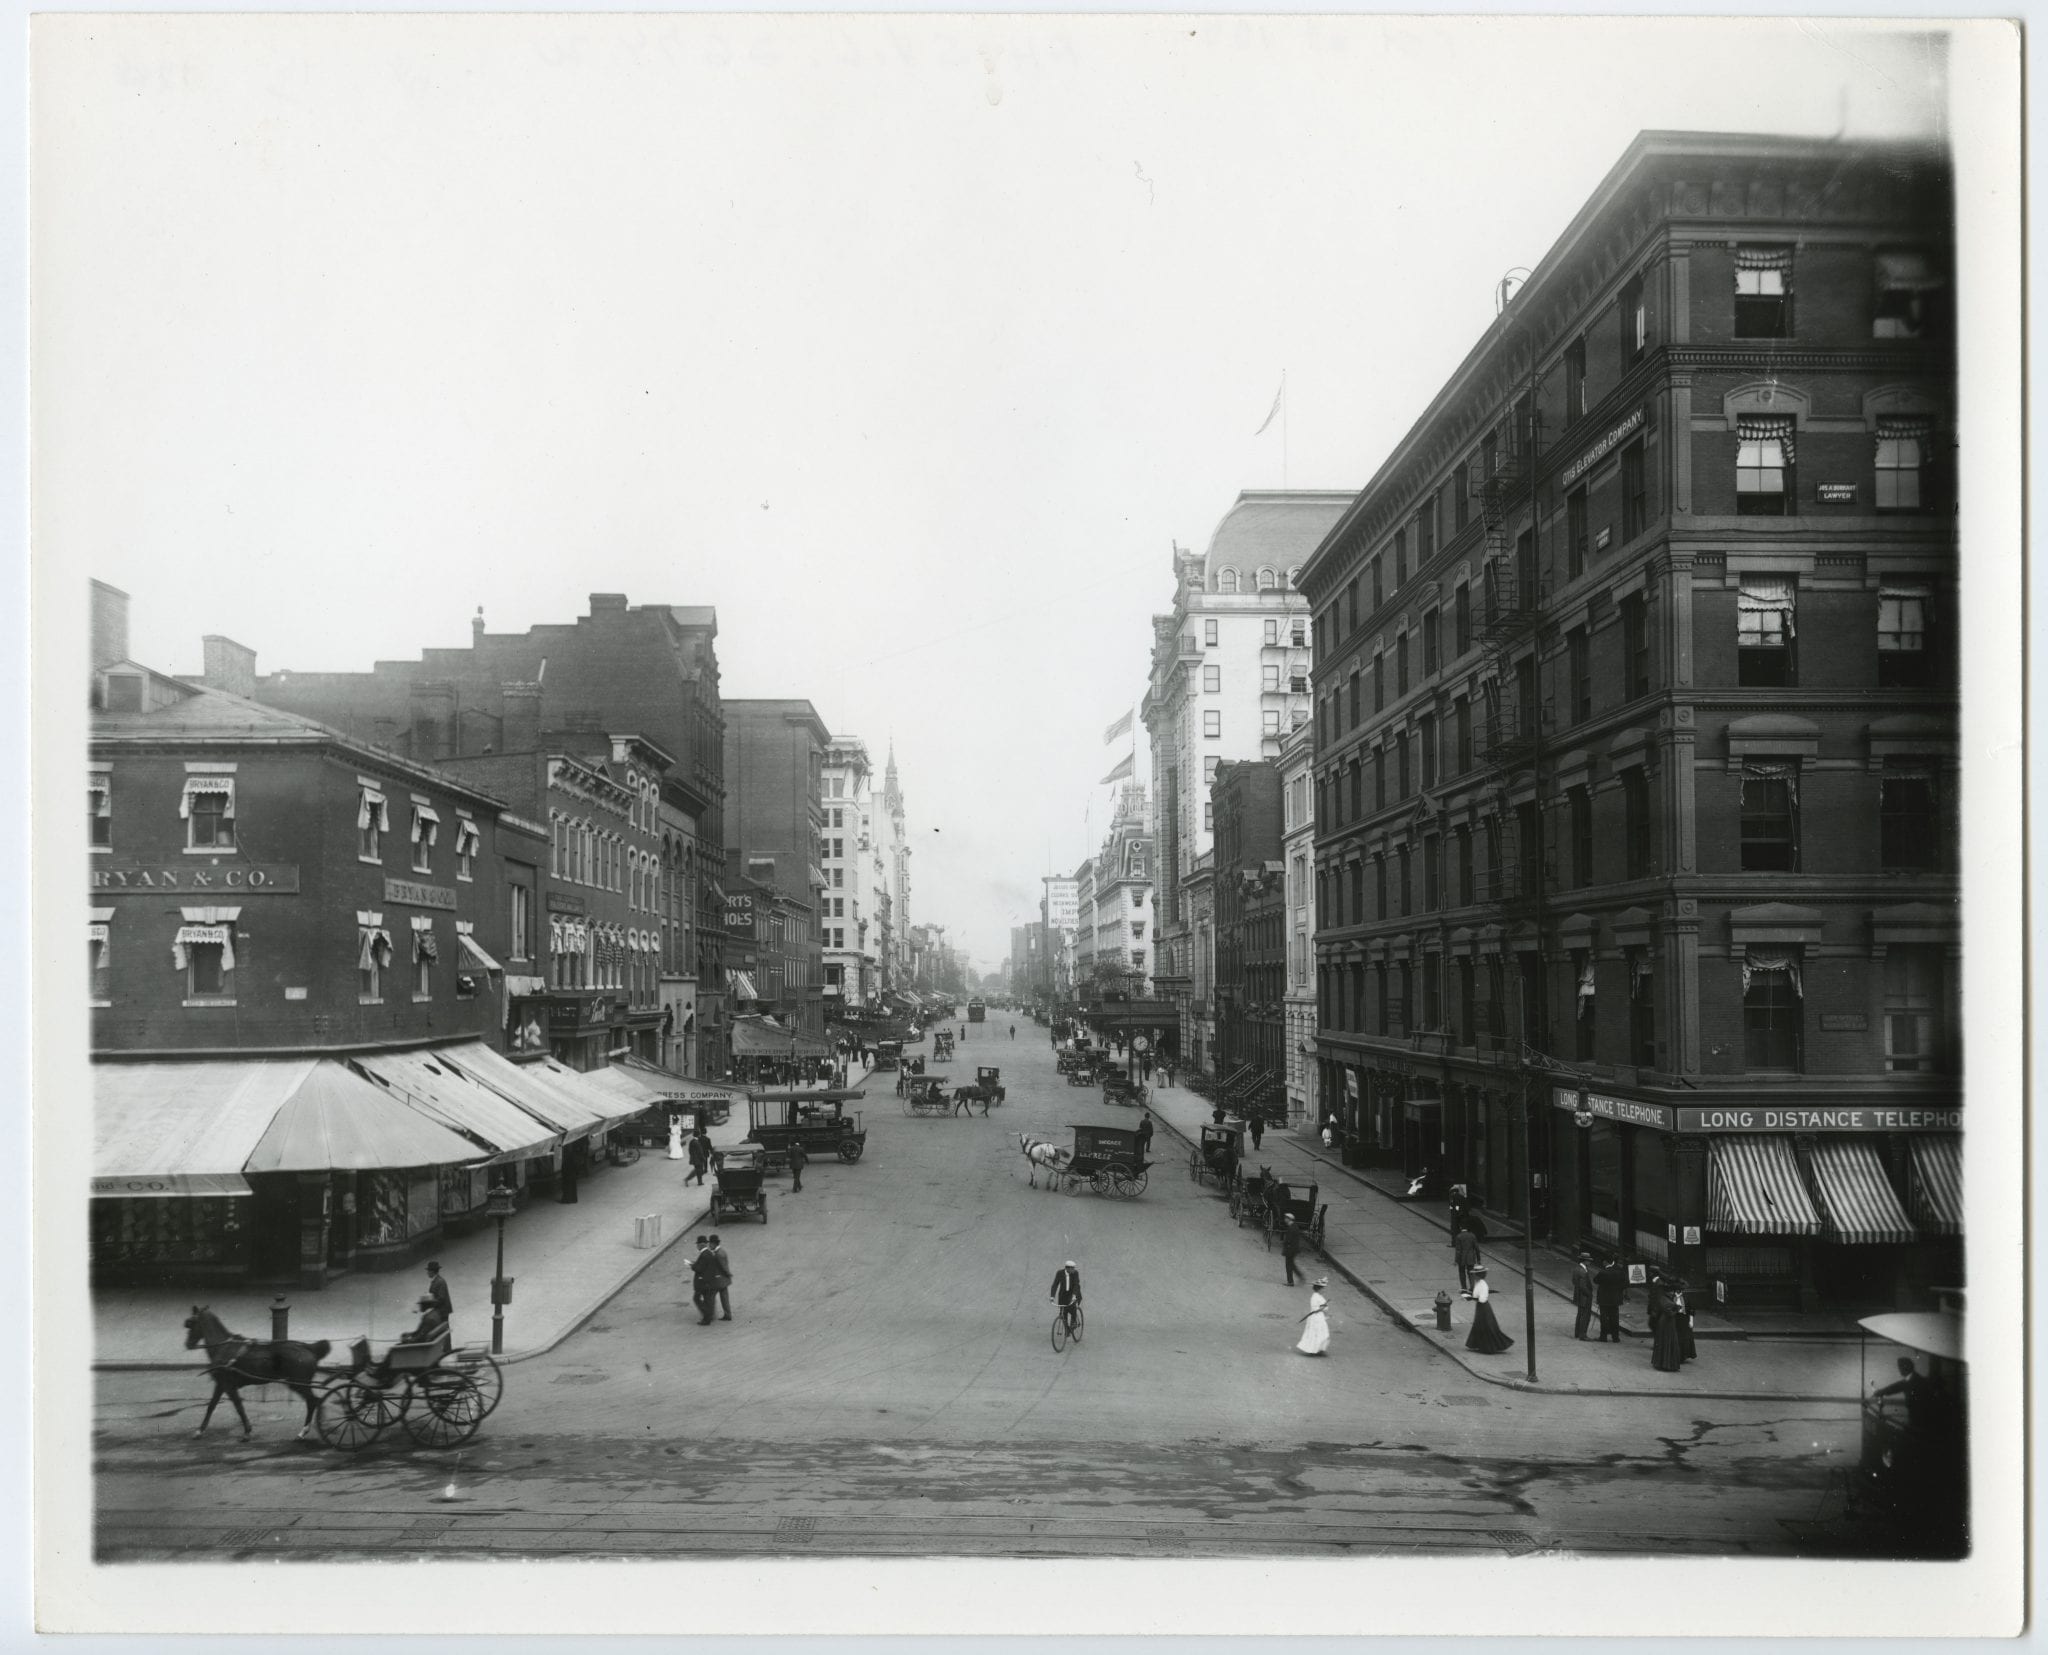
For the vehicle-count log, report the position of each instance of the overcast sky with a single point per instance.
(911, 344)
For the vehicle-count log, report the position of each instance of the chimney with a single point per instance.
(433, 720)
(519, 726)
(476, 627)
(600, 601)
(109, 624)
(229, 666)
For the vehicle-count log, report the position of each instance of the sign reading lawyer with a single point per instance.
(239, 877)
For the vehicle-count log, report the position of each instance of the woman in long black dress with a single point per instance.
(1665, 1355)
(1486, 1336)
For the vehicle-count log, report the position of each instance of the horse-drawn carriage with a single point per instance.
(440, 1394)
(1219, 1154)
(737, 1176)
(1120, 1085)
(988, 1078)
(1084, 1068)
(927, 1095)
(942, 1046)
(888, 1054)
(1268, 1202)
(819, 1120)
(1107, 1159)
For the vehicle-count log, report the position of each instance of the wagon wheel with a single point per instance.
(1134, 1182)
(1105, 1181)
(764, 1208)
(849, 1151)
(487, 1376)
(352, 1415)
(446, 1409)
(1194, 1166)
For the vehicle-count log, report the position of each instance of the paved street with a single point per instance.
(887, 1385)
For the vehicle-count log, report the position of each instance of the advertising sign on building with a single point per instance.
(739, 915)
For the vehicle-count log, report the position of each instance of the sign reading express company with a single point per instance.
(409, 893)
(282, 877)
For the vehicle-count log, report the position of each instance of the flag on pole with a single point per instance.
(1122, 727)
(1273, 413)
(1123, 769)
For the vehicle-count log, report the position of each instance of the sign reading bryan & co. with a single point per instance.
(240, 877)
(408, 893)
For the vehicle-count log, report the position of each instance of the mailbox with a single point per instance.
(501, 1289)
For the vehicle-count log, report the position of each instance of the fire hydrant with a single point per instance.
(280, 1317)
(1443, 1311)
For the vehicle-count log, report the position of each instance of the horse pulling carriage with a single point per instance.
(736, 1183)
(1107, 1159)
(442, 1394)
(818, 1120)
(1218, 1155)
(988, 1079)
(934, 1095)
(1268, 1202)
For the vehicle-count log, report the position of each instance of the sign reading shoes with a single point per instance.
(1600, 450)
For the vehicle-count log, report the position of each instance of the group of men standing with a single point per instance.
(711, 1280)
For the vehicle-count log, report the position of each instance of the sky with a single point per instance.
(911, 344)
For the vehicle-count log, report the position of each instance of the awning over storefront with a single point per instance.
(467, 1106)
(185, 1125)
(666, 1086)
(1754, 1188)
(1861, 1207)
(473, 951)
(1938, 1184)
(757, 1037)
(537, 1088)
(743, 987)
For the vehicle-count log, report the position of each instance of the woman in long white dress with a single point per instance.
(1315, 1332)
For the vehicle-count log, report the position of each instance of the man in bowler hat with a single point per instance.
(1582, 1292)
(1610, 1287)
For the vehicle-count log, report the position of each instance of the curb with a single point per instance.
(1401, 1320)
(574, 1325)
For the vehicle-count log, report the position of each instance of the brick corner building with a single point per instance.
(1636, 738)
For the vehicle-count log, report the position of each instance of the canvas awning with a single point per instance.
(1862, 1208)
(1754, 1188)
(193, 1128)
(473, 951)
(670, 1087)
(743, 987)
(757, 1037)
(535, 1087)
(439, 1090)
(1938, 1184)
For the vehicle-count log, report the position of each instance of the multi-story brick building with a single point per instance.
(1229, 679)
(774, 835)
(1636, 736)
(1297, 849)
(649, 669)
(299, 946)
(1251, 936)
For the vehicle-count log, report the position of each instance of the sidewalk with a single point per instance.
(566, 1261)
(1399, 1255)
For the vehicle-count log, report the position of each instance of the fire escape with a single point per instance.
(1511, 623)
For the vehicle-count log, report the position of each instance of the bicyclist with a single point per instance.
(1066, 1291)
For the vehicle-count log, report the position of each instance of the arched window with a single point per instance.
(1294, 577)
(1227, 581)
(1269, 580)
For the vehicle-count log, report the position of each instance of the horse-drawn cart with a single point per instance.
(1107, 1159)
(989, 1078)
(942, 1046)
(819, 1120)
(1268, 1202)
(440, 1395)
(737, 1177)
(1218, 1155)
(928, 1095)
(1120, 1085)
(888, 1054)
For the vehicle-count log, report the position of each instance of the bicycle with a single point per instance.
(1067, 1323)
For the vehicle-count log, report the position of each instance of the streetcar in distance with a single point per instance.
(977, 1011)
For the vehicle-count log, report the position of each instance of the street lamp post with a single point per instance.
(499, 1206)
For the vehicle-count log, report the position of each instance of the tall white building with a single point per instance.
(1060, 912)
(1298, 850)
(1115, 920)
(889, 845)
(856, 890)
(1229, 680)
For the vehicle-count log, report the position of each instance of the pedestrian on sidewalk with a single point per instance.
(1582, 1292)
(1290, 1246)
(1664, 1356)
(1465, 1249)
(1315, 1329)
(797, 1158)
(703, 1273)
(699, 1148)
(1258, 1129)
(1610, 1287)
(721, 1278)
(1330, 1133)
(1487, 1336)
(1144, 1135)
(1688, 1349)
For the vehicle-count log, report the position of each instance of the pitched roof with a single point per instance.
(1272, 530)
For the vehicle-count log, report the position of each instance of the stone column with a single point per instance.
(1689, 1208)
(1677, 981)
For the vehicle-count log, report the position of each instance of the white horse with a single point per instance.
(1041, 1152)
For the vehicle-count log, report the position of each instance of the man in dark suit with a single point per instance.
(1144, 1136)
(699, 1148)
(1582, 1292)
(703, 1280)
(1610, 1287)
(722, 1280)
(1465, 1249)
(437, 1290)
(1066, 1289)
(1290, 1246)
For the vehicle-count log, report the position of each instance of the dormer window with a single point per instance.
(1227, 581)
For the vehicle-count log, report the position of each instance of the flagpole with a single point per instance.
(1283, 428)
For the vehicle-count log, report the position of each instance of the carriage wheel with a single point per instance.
(352, 1415)
(1134, 1182)
(906, 1107)
(1194, 1166)
(850, 1152)
(1115, 1181)
(485, 1374)
(445, 1410)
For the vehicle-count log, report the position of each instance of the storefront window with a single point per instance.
(1653, 1196)
(185, 1230)
(1604, 1186)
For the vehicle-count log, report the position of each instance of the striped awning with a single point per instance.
(1938, 1184)
(1754, 1188)
(1861, 1205)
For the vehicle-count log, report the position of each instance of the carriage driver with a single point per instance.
(432, 1326)
(1066, 1289)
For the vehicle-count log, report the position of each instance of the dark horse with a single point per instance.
(232, 1362)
